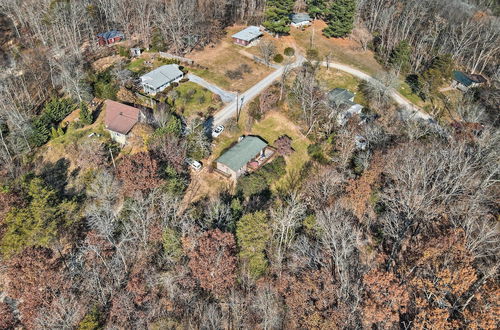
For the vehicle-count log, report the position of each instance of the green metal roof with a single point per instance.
(462, 78)
(340, 96)
(242, 152)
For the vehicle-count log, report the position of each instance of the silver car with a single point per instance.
(217, 131)
(194, 164)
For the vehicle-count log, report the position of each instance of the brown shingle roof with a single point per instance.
(119, 117)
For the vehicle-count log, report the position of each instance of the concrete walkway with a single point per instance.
(225, 96)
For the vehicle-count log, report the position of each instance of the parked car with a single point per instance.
(194, 164)
(217, 131)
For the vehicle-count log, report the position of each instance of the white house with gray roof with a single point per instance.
(247, 36)
(342, 101)
(160, 78)
(300, 19)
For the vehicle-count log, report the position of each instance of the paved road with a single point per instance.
(415, 111)
(230, 110)
(225, 96)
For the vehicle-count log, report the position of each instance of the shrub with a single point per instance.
(234, 74)
(260, 180)
(312, 54)
(183, 80)
(278, 58)
(316, 152)
(284, 145)
(289, 51)
(245, 68)
(174, 84)
(172, 246)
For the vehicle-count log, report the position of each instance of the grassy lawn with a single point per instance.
(225, 56)
(405, 90)
(194, 98)
(136, 65)
(273, 126)
(343, 50)
(332, 78)
(220, 80)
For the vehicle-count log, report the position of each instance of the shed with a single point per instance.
(234, 162)
(110, 37)
(300, 19)
(160, 78)
(247, 36)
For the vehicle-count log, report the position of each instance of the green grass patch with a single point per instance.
(270, 128)
(405, 90)
(136, 65)
(212, 77)
(194, 98)
(333, 78)
(361, 60)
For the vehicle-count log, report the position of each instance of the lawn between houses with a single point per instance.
(193, 99)
(223, 57)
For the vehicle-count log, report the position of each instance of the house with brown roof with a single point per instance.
(119, 119)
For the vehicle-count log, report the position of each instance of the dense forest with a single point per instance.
(399, 233)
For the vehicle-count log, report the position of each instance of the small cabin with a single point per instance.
(300, 20)
(247, 36)
(109, 37)
(464, 81)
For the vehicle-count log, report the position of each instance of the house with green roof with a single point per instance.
(341, 101)
(249, 153)
(464, 81)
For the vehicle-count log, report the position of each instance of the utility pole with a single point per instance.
(112, 158)
(237, 111)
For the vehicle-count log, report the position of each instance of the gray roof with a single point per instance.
(340, 96)
(301, 17)
(468, 79)
(248, 34)
(162, 75)
(242, 152)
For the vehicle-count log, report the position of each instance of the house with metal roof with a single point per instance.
(160, 78)
(247, 36)
(249, 153)
(119, 119)
(109, 37)
(342, 102)
(464, 81)
(300, 19)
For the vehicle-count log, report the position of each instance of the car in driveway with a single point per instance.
(194, 164)
(218, 131)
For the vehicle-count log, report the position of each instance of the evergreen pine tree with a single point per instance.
(253, 233)
(85, 114)
(53, 133)
(278, 16)
(340, 18)
(316, 8)
(400, 56)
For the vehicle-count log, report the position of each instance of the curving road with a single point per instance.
(398, 98)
